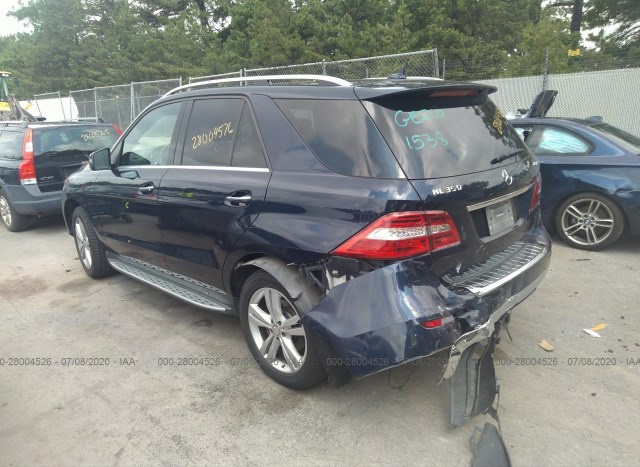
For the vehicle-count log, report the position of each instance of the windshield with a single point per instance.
(434, 142)
(623, 139)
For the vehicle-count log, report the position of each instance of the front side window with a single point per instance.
(558, 141)
(150, 141)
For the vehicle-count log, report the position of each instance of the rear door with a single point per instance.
(464, 158)
(128, 194)
(61, 150)
(217, 190)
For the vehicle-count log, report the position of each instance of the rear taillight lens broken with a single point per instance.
(402, 235)
(27, 168)
(535, 198)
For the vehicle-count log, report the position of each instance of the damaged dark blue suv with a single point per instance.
(353, 227)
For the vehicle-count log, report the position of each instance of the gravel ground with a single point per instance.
(581, 409)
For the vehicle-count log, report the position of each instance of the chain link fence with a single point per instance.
(588, 85)
(234, 74)
(48, 101)
(145, 93)
(118, 104)
(421, 63)
(113, 104)
(84, 102)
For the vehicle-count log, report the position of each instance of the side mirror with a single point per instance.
(100, 159)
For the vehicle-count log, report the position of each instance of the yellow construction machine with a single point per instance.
(9, 105)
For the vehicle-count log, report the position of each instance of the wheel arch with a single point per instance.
(305, 295)
(70, 205)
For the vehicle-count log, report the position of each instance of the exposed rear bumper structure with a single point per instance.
(372, 322)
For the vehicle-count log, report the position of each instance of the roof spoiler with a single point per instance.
(438, 95)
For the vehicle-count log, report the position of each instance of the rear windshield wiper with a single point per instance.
(504, 157)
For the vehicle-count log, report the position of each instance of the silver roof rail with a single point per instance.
(319, 78)
(21, 123)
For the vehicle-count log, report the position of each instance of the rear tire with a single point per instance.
(284, 349)
(13, 221)
(589, 221)
(91, 252)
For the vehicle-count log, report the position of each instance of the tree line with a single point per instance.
(79, 44)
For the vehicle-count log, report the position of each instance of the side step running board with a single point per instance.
(168, 284)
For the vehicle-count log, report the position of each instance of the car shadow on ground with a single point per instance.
(47, 224)
(625, 244)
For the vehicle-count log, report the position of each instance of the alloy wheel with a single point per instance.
(587, 221)
(82, 242)
(276, 331)
(5, 211)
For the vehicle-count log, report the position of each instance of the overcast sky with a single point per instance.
(8, 24)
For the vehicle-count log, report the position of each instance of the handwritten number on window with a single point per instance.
(419, 142)
(215, 133)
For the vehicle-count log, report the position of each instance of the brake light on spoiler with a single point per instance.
(402, 235)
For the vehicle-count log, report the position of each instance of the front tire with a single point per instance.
(284, 349)
(589, 221)
(91, 252)
(13, 221)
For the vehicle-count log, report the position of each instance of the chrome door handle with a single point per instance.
(238, 199)
(146, 189)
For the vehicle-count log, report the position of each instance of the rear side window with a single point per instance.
(212, 131)
(342, 136)
(11, 145)
(247, 151)
(432, 141)
(558, 141)
(72, 140)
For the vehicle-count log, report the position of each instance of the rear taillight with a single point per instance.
(432, 323)
(115, 127)
(27, 168)
(535, 198)
(402, 235)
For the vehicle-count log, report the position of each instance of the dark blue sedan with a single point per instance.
(590, 178)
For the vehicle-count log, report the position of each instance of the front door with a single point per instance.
(128, 194)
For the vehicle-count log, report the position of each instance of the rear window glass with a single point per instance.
(342, 136)
(72, 139)
(11, 145)
(432, 142)
(621, 138)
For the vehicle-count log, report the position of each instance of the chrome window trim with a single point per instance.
(201, 167)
